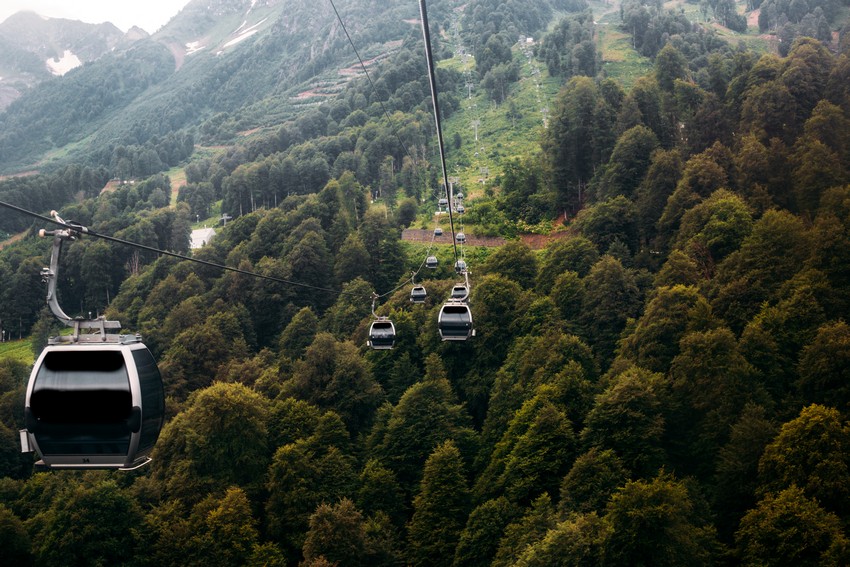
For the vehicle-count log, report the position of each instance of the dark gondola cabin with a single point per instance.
(418, 294)
(382, 334)
(460, 292)
(94, 405)
(455, 322)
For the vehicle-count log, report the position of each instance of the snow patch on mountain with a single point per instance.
(194, 47)
(61, 65)
(243, 34)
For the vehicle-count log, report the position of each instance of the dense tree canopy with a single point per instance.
(660, 379)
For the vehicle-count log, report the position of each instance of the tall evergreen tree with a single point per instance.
(440, 509)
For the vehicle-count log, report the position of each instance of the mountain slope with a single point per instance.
(224, 56)
(34, 48)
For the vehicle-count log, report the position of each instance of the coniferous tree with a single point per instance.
(440, 508)
(479, 540)
(538, 519)
(810, 452)
(627, 418)
(426, 415)
(611, 297)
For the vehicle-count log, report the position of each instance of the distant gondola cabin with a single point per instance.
(455, 322)
(382, 334)
(418, 294)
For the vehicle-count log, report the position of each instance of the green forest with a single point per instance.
(662, 378)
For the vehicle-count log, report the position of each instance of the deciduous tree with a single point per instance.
(656, 522)
(811, 452)
(789, 528)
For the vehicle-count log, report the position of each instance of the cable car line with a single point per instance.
(454, 321)
(463, 317)
(432, 79)
(78, 228)
(375, 90)
(455, 318)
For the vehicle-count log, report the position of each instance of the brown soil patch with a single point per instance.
(178, 52)
(21, 174)
(423, 235)
(753, 18)
(11, 240)
(534, 241)
(540, 241)
(111, 185)
(312, 93)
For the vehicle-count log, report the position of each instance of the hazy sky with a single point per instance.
(150, 15)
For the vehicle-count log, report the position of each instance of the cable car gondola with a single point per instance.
(455, 318)
(460, 209)
(418, 294)
(94, 405)
(443, 203)
(431, 262)
(460, 266)
(455, 321)
(460, 237)
(94, 400)
(459, 292)
(382, 334)
(438, 231)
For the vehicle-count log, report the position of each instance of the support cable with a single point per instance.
(374, 89)
(433, 81)
(78, 228)
(419, 172)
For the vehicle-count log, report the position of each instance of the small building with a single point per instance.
(201, 237)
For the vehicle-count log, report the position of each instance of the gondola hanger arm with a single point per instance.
(71, 231)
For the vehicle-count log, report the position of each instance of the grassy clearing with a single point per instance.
(620, 61)
(416, 252)
(214, 220)
(17, 350)
(178, 180)
(505, 131)
(623, 64)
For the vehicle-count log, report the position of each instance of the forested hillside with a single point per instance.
(216, 70)
(665, 382)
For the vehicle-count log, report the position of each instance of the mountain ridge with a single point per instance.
(34, 48)
(226, 56)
